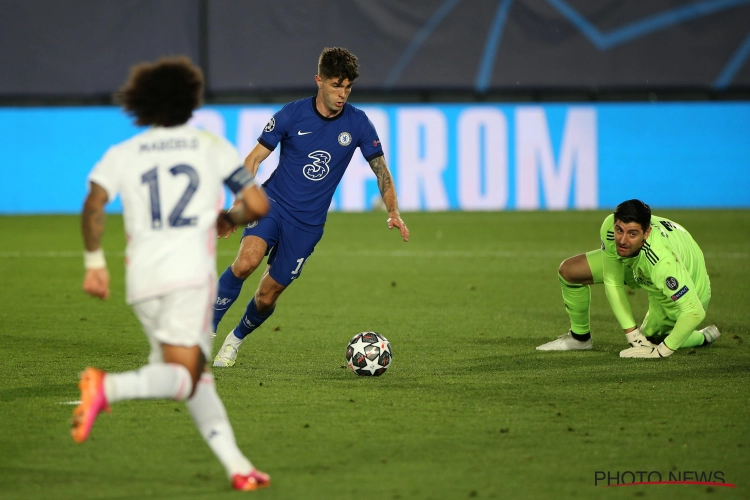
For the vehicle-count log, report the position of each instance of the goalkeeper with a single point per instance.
(641, 251)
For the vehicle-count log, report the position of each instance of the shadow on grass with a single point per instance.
(605, 366)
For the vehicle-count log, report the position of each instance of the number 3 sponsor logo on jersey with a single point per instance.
(319, 168)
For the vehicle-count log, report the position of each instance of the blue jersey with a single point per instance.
(315, 152)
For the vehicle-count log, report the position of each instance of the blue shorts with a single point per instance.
(289, 247)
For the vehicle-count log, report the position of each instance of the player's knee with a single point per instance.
(185, 381)
(266, 297)
(242, 267)
(566, 271)
(575, 270)
(265, 302)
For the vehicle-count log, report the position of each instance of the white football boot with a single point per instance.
(566, 342)
(228, 352)
(711, 333)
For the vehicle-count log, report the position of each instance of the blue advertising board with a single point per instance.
(443, 157)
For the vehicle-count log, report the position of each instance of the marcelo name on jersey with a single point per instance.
(168, 145)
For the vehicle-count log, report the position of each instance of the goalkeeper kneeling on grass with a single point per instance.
(641, 251)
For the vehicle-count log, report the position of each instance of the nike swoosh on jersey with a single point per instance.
(299, 132)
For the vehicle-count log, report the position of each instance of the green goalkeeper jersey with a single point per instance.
(669, 266)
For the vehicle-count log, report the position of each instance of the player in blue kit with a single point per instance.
(318, 137)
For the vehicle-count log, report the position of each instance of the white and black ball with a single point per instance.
(369, 354)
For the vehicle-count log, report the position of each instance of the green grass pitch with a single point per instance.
(468, 408)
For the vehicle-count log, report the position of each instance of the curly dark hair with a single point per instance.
(338, 63)
(163, 93)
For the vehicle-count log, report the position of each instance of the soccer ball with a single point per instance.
(369, 354)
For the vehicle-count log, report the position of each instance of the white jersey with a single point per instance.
(170, 183)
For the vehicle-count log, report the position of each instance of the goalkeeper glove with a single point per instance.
(636, 339)
(660, 351)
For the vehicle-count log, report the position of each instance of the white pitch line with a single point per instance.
(441, 253)
(69, 403)
(324, 253)
(51, 254)
(369, 253)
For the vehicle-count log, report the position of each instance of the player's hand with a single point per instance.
(660, 351)
(224, 226)
(394, 220)
(637, 339)
(96, 282)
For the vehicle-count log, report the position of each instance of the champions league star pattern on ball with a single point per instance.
(369, 354)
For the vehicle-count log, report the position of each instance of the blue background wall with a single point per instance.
(555, 156)
(84, 47)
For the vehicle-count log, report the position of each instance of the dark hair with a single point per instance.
(634, 211)
(338, 63)
(163, 93)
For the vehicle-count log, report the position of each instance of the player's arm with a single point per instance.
(388, 193)
(250, 205)
(690, 310)
(614, 288)
(256, 156)
(614, 278)
(253, 198)
(250, 202)
(96, 279)
(674, 281)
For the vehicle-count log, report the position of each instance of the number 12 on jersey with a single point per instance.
(151, 178)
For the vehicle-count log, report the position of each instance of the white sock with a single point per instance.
(233, 340)
(152, 381)
(210, 417)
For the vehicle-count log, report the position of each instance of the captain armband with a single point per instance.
(239, 180)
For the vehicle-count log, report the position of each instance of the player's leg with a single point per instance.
(174, 363)
(210, 417)
(703, 286)
(659, 323)
(176, 326)
(699, 338)
(250, 255)
(258, 310)
(152, 381)
(204, 404)
(177, 329)
(575, 275)
(285, 263)
(262, 305)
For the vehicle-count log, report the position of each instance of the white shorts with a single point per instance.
(181, 318)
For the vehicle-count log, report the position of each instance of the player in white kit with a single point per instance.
(170, 179)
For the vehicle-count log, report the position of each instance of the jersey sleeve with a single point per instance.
(276, 128)
(105, 173)
(674, 282)
(614, 276)
(369, 143)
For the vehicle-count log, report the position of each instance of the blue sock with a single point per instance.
(251, 320)
(230, 287)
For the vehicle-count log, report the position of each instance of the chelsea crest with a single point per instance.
(345, 138)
